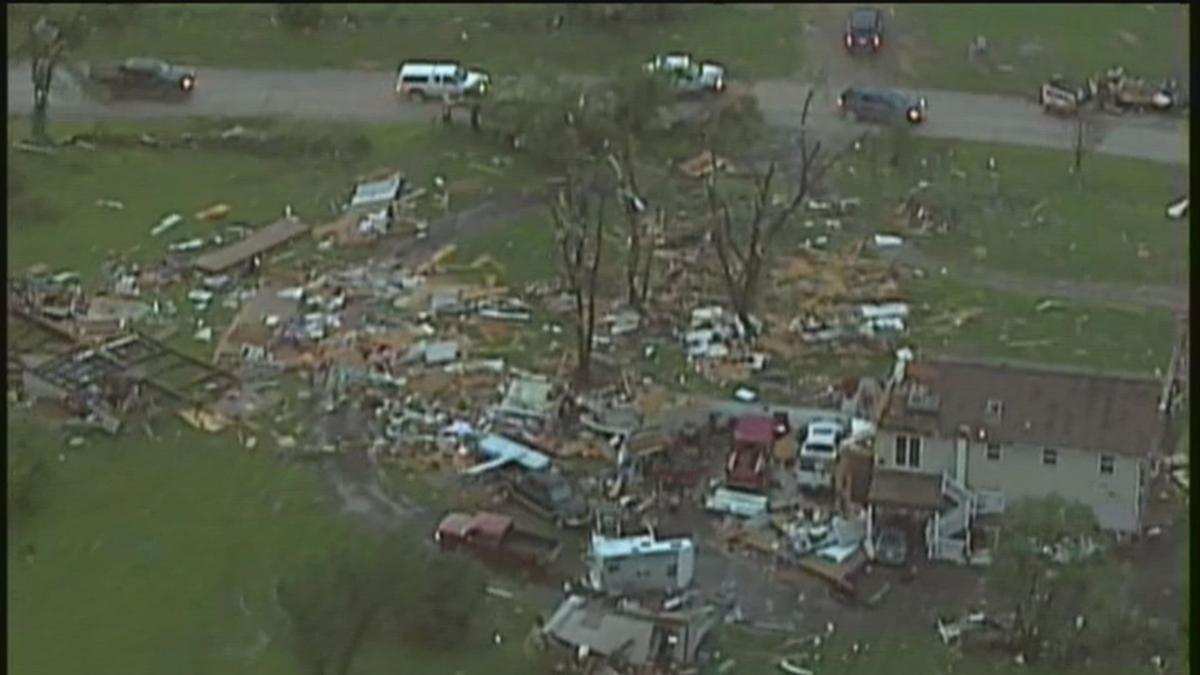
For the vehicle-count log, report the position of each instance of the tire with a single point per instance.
(416, 96)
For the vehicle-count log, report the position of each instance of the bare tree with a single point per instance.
(48, 46)
(640, 230)
(742, 250)
(579, 231)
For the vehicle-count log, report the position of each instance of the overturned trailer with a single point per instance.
(640, 564)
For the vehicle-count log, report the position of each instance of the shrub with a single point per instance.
(299, 16)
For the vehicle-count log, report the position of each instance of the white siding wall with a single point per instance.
(1020, 473)
(937, 455)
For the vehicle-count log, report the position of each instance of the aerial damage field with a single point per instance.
(633, 372)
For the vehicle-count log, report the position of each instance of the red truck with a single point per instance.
(746, 468)
(494, 538)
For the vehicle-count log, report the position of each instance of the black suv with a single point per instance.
(886, 106)
(864, 30)
(145, 79)
(551, 496)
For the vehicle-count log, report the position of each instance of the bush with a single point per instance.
(299, 16)
(113, 17)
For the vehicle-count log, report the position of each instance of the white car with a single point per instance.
(421, 80)
(818, 454)
(686, 74)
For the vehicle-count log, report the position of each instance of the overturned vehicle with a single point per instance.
(1118, 92)
(1059, 96)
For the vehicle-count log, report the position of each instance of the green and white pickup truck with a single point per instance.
(687, 75)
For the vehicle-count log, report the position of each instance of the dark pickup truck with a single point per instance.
(143, 78)
(494, 538)
(550, 496)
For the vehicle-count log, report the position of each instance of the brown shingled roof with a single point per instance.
(1038, 406)
(890, 487)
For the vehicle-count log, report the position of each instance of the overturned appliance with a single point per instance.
(641, 564)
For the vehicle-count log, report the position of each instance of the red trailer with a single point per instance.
(753, 438)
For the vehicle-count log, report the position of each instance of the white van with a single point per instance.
(420, 80)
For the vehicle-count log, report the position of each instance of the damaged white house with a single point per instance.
(959, 439)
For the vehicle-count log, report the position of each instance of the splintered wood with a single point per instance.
(701, 165)
(819, 282)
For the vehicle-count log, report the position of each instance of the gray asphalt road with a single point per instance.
(364, 96)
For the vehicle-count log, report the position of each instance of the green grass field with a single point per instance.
(1037, 40)
(53, 217)
(505, 39)
(1033, 217)
(145, 552)
(1008, 325)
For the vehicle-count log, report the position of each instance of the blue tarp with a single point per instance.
(501, 450)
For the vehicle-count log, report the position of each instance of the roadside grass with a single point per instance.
(160, 556)
(1032, 216)
(53, 217)
(1038, 40)
(504, 39)
(1008, 325)
(902, 650)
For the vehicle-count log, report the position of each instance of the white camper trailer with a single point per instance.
(640, 564)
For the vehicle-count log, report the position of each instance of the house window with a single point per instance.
(1107, 465)
(994, 409)
(993, 451)
(908, 451)
(1049, 457)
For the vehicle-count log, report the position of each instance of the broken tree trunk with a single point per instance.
(580, 231)
(640, 238)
